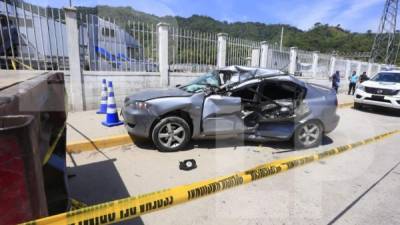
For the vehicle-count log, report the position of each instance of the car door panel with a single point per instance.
(221, 115)
(280, 130)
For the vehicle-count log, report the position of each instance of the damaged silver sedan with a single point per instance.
(256, 104)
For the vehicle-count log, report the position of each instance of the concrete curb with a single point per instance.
(345, 105)
(100, 143)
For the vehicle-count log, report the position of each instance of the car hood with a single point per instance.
(383, 85)
(158, 93)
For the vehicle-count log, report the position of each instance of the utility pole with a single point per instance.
(384, 49)
(280, 45)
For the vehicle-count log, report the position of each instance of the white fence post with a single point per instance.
(314, 67)
(348, 68)
(264, 54)
(369, 69)
(255, 57)
(332, 65)
(162, 30)
(221, 50)
(293, 60)
(379, 68)
(74, 59)
(358, 72)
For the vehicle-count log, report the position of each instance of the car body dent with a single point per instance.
(218, 114)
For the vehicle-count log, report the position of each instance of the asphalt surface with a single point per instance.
(357, 187)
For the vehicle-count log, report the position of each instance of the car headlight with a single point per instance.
(361, 87)
(137, 104)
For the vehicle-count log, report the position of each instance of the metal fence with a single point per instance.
(108, 46)
(239, 51)
(324, 62)
(340, 65)
(192, 51)
(278, 58)
(374, 70)
(304, 63)
(35, 38)
(32, 37)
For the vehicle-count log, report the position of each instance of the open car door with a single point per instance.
(221, 115)
(279, 104)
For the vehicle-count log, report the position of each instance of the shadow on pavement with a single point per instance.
(380, 110)
(98, 182)
(280, 146)
(90, 140)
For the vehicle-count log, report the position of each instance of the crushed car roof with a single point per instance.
(255, 72)
(244, 73)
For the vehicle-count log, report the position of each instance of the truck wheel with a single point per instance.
(171, 134)
(308, 135)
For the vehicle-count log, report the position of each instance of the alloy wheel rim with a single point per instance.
(171, 135)
(309, 134)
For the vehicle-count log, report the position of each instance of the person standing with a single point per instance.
(353, 81)
(363, 77)
(335, 78)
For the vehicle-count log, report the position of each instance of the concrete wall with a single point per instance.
(125, 83)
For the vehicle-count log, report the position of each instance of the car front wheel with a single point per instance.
(171, 134)
(308, 135)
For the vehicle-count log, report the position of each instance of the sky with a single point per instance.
(354, 15)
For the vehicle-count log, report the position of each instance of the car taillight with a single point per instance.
(14, 199)
(22, 196)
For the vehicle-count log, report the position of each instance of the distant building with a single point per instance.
(39, 34)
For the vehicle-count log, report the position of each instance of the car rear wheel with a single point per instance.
(308, 135)
(171, 134)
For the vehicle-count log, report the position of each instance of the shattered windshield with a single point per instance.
(206, 80)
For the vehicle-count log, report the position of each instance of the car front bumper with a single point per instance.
(138, 122)
(363, 97)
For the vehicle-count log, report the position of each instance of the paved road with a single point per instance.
(358, 187)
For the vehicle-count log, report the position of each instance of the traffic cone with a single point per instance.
(103, 102)
(112, 114)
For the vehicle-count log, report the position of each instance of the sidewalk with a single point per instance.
(86, 126)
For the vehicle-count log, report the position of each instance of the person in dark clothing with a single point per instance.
(363, 77)
(353, 81)
(335, 78)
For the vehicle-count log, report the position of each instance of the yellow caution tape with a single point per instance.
(14, 66)
(128, 208)
(53, 145)
(24, 65)
(75, 204)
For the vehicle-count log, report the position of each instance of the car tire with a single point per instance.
(308, 135)
(357, 106)
(171, 134)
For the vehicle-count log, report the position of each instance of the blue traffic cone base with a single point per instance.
(102, 110)
(112, 120)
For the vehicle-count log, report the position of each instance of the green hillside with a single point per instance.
(321, 37)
